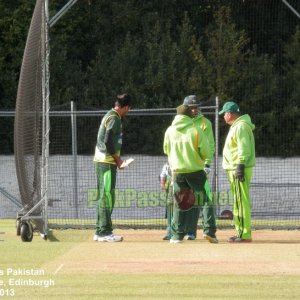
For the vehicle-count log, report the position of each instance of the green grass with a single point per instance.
(123, 285)
(166, 286)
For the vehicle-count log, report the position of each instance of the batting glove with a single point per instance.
(240, 172)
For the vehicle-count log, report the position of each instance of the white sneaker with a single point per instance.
(172, 241)
(110, 238)
(95, 237)
(190, 237)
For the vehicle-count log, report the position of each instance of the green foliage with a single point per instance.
(14, 24)
(226, 53)
(161, 51)
(290, 112)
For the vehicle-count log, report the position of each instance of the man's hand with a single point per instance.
(207, 169)
(118, 161)
(240, 172)
(162, 182)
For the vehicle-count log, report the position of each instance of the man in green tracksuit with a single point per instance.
(187, 149)
(107, 160)
(205, 124)
(238, 161)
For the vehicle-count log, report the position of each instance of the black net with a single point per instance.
(29, 115)
(262, 77)
(140, 202)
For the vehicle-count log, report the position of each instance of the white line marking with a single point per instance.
(58, 269)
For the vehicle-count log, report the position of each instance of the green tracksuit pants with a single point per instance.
(192, 215)
(195, 181)
(106, 182)
(241, 203)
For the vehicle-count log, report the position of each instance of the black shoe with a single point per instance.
(211, 239)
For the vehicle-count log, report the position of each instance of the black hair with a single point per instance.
(123, 100)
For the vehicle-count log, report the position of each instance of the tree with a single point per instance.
(14, 23)
(290, 112)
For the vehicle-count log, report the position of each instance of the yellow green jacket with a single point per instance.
(206, 126)
(239, 147)
(185, 145)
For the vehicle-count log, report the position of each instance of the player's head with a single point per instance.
(231, 111)
(123, 104)
(184, 110)
(123, 100)
(229, 106)
(193, 102)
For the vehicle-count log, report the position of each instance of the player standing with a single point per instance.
(107, 160)
(238, 161)
(205, 124)
(187, 148)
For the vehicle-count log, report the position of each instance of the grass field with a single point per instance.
(69, 265)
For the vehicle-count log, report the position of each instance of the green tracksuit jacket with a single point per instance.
(207, 129)
(239, 146)
(111, 121)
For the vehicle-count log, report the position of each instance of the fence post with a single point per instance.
(217, 137)
(74, 154)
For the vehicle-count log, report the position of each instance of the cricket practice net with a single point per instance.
(29, 134)
(140, 202)
(71, 179)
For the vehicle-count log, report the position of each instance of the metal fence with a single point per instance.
(140, 202)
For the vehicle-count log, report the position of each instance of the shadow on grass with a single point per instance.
(51, 237)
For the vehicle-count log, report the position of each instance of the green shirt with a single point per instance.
(185, 145)
(239, 146)
(111, 121)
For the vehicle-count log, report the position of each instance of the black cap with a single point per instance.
(191, 100)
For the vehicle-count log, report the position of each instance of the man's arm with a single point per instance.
(108, 141)
(203, 146)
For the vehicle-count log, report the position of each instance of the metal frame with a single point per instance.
(61, 12)
(138, 112)
(45, 49)
(291, 8)
(43, 203)
(46, 25)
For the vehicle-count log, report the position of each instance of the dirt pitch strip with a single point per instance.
(144, 251)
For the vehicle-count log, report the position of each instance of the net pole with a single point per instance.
(291, 8)
(46, 122)
(217, 150)
(74, 153)
(62, 12)
(43, 159)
